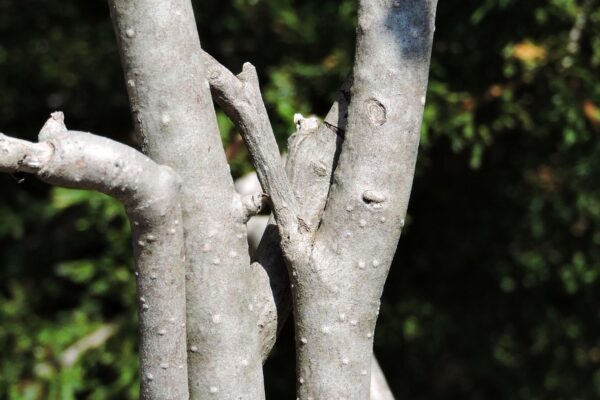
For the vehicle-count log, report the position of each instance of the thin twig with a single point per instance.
(240, 98)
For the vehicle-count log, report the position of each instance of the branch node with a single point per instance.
(254, 204)
(54, 125)
(306, 124)
(249, 74)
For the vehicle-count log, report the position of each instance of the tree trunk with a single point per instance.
(176, 125)
(209, 316)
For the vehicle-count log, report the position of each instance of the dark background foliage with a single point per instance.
(494, 292)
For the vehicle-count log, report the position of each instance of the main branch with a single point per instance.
(176, 124)
(336, 295)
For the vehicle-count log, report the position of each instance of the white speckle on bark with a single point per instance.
(373, 196)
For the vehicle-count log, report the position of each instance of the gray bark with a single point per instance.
(313, 152)
(379, 386)
(380, 389)
(336, 294)
(338, 207)
(312, 155)
(176, 125)
(241, 99)
(150, 194)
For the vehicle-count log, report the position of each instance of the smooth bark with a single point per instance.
(176, 125)
(312, 156)
(339, 206)
(150, 194)
(336, 294)
(240, 98)
(380, 389)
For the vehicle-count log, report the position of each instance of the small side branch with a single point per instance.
(150, 193)
(254, 204)
(240, 98)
